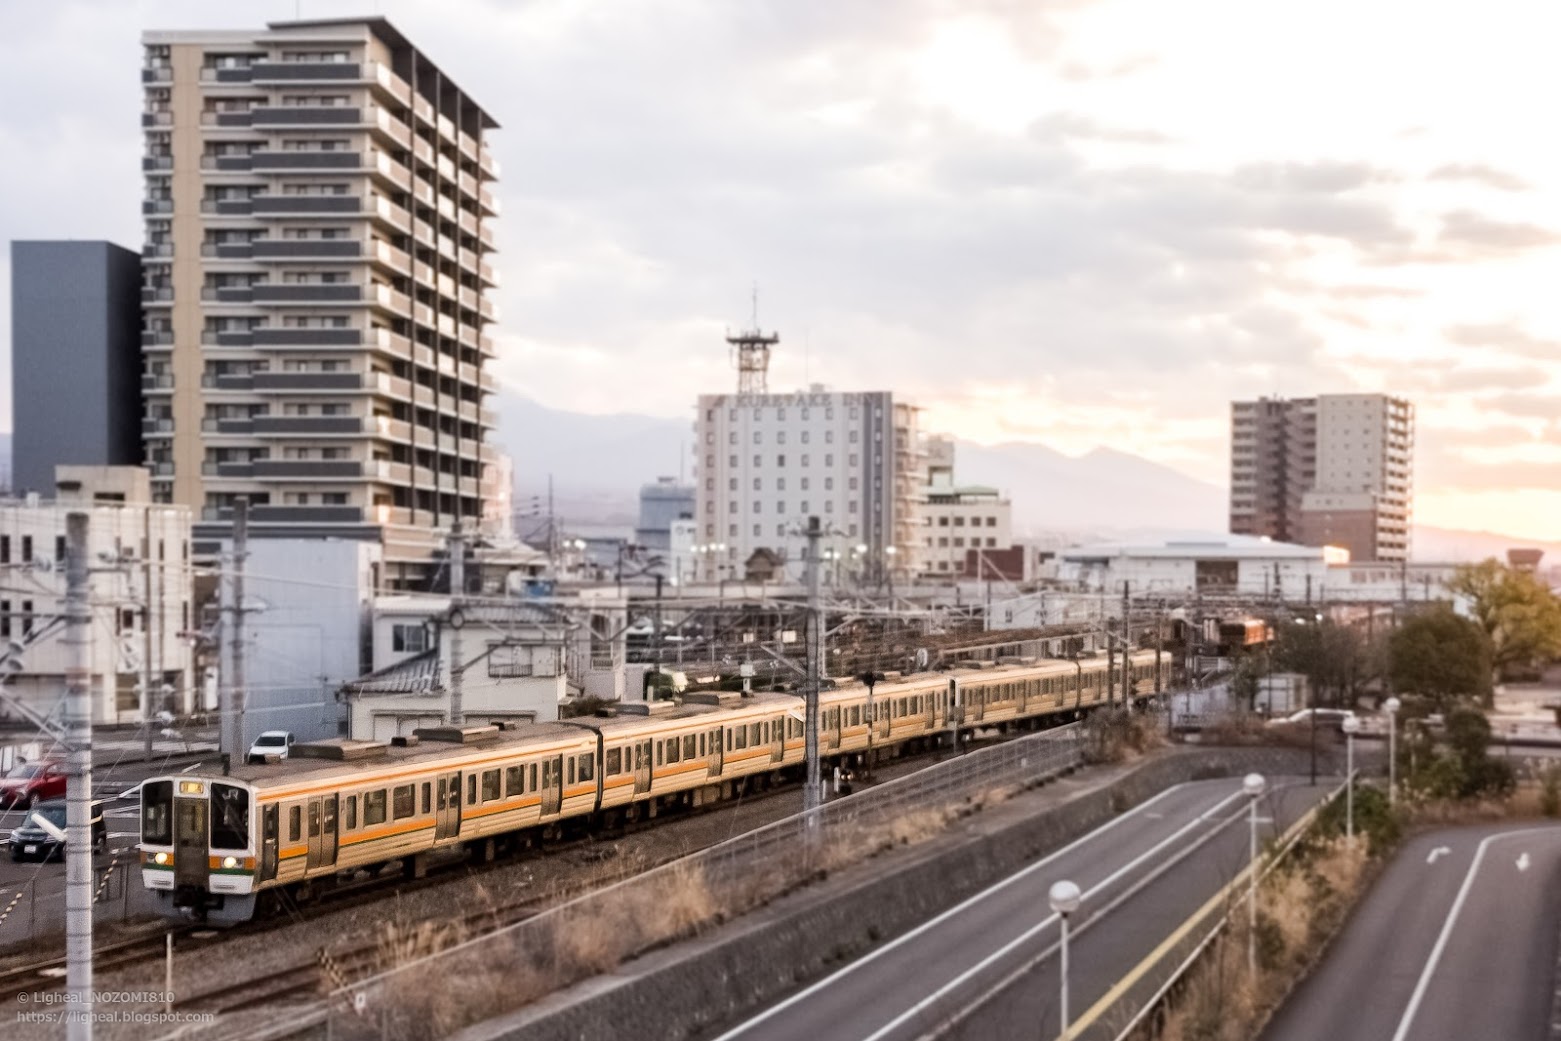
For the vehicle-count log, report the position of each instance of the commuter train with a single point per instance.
(214, 844)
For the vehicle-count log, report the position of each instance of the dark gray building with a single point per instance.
(660, 504)
(75, 359)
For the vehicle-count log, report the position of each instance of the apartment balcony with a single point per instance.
(422, 108)
(156, 294)
(156, 338)
(391, 429)
(306, 162)
(422, 314)
(445, 167)
(227, 163)
(228, 338)
(307, 205)
(161, 74)
(229, 294)
(307, 249)
(397, 388)
(228, 250)
(288, 514)
(392, 300)
(423, 355)
(157, 119)
(485, 235)
(487, 382)
(488, 309)
(445, 206)
(230, 382)
(305, 382)
(467, 222)
(489, 203)
(281, 336)
(150, 207)
(423, 151)
(161, 252)
(467, 410)
(384, 253)
(467, 297)
(227, 75)
(152, 382)
(488, 164)
(467, 145)
(488, 274)
(307, 294)
(423, 233)
(157, 163)
(228, 120)
(487, 418)
(424, 477)
(236, 470)
(393, 344)
(446, 325)
(446, 246)
(232, 426)
(288, 73)
(308, 469)
(485, 345)
(446, 127)
(161, 469)
(227, 207)
(445, 285)
(311, 426)
(310, 116)
(465, 181)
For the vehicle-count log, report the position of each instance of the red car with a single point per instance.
(30, 783)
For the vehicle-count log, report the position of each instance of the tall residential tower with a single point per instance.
(1331, 470)
(319, 214)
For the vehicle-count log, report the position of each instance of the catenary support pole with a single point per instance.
(78, 772)
(811, 795)
(240, 692)
(457, 713)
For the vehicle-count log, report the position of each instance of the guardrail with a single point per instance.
(507, 969)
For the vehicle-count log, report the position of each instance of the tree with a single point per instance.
(1519, 615)
(1442, 657)
(1334, 658)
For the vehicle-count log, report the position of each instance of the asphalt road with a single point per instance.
(1142, 874)
(1457, 940)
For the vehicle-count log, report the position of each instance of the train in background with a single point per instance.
(213, 845)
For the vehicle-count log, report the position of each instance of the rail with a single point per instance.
(508, 968)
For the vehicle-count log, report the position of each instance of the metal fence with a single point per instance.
(35, 907)
(504, 970)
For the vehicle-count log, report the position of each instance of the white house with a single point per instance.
(1218, 565)
(139, 553)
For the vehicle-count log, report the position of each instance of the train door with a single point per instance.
(268, 841)
(715, 752)
(643, 750)
(191, 842)
(447, 809)
(322, 831)
(777, 739)
(552, 785)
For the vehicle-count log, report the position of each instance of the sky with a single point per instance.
(1080, 222)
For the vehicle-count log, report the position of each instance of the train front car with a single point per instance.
(198, 847)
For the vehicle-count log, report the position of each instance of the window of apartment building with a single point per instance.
(851, 460)
(315, 100)
(780, 437)
(829, 437)
(731, 507)
(330, 321)
(316, 56)
(805, 460)
(311, 234)
(943, 541)
(314, 278)
(758, 438)
(317, 188)
(780, 506)
(829, 459)
(27, 549)
(852, 532)
(959, 522)
(780, 484)
(756, 531)
(316, 144)
(27, 617)
(710, 508)
(731, 530)
(780, 460)
(731, 414)
(5, 618)
(5, 549)
(991, 522)
(852, 506)
(780, 531)
(805, 484)
(829, 506)
(59, 548)
(334, 498)
(730, 461)
(756, 506)
(804, 507)
(804, 437)
(709, 531)
(852, 483)
(731, 484)
(236, 104)
(853, 437)
(780, 413)
(991, 542)
(959, 543)
(805, 413)
(732, 437)
(853, 412)
(409, 638)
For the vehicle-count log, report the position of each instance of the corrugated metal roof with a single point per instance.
(416, 675)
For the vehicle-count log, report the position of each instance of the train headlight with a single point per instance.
(230, 862)
(160, 858)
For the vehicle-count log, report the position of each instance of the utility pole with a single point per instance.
(456, 621)
(146, 633)
(1127, 648)
(234, 684)
(811, 794)
(78, 773)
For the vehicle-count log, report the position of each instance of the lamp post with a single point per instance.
(1351, 725)
(1064, 898)
(1253, 785)
(1392, 707)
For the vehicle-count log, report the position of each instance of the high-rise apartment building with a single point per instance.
(1331, 470)
(764, 463)
(319, 211)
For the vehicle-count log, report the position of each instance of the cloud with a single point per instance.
(1480, 173)
(1474, 234)
(1323, 177)
(1508, 336)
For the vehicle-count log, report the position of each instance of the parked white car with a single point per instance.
(275, 743)
(1328, 718)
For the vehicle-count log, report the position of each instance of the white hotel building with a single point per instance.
(765, 463)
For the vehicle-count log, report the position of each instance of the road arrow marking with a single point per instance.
(1523, 862)
(1437, 853)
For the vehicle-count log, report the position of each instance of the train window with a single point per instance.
(660, 752)
(571, 768)
(533, 785)
(490, 785)
(673, 745)
(514, 781)
(690, 746)
(295, 823)
(374, 808)
(471, 789)
(587, 768)
(428, 798)
(350, 813)
(403, 802)
(739, 738)
(702, 751)
(229, 817)
(614, 761)
(753, 734)
(157, 813)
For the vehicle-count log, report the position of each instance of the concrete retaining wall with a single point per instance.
(688, 990)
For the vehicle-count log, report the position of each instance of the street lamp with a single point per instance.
(1351, 726)
(1065, 898)
(1392, 707)
(1253, 785)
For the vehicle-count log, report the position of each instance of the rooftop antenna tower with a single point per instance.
(751, 354)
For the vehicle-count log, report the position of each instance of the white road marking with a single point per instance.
(1437, 854)
(807, 992)
(1447, 930)
(1523, 862)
